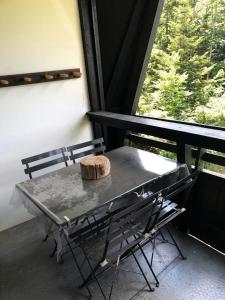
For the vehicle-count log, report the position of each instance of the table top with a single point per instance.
(64, 193)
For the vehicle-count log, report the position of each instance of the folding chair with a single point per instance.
(80, 150)
(118, 237)
(169, 210)
(96, 219)
(61, 158)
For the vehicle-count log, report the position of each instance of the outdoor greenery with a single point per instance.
(186, 73)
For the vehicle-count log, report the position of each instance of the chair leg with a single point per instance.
(147, 261)
(93, 270)
(149, 265)
(153, 249)
(77, 265)
(116, 272)
(45, 238)
(115, 276)
(93, 273)
(162, 235)
(54, 250)
(175, 244)
(139, 266)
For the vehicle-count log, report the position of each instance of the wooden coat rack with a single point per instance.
(38, 77)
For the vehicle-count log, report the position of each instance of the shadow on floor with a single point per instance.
(27, 273)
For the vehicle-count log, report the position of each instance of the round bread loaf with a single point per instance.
(95, 167)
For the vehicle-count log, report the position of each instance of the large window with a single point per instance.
(185, 78)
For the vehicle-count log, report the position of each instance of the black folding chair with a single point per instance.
(61, 158)
(84, 149)
(33, 164)
(116, 237)
(169, 209)
(80, 150)
(94, 218)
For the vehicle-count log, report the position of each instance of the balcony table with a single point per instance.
(63, 195)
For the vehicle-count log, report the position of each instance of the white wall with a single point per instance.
(38, 35)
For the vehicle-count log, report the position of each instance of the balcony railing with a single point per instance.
(164, 145)
(182, 134)
(206, 211)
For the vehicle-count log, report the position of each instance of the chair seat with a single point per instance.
(169, 209)
(100, 216)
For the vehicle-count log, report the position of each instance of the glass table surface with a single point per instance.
(63, 193)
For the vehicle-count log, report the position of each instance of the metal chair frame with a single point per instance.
(62, 158)
(120, 231)
(30, 169)
(170, 210)
(78, 151)
(162, 213)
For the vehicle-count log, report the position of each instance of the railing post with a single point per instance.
(199, 157)
(184, 154)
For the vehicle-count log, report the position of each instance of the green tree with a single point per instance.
(213, 113)
(186, 70)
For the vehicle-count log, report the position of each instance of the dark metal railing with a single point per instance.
(181, 133)
(205, 219)
(162, 145)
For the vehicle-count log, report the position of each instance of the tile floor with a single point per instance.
(27, 273)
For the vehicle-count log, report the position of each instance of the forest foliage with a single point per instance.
(185, 77)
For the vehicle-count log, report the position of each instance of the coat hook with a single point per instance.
(49, 76)
(4, 82)
(27, 79)
(77, 74)
(64, 75)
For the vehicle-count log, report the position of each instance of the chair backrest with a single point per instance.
(127, 228)
(61, 158)
(169, 209)
(124, 228)
(142, 218)
(184, 184)
(119, 225)
(79, 150)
